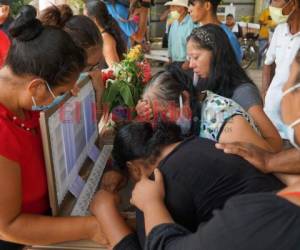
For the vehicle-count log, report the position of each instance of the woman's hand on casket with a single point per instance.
(105, 207)
(97, 233)
(103, 201)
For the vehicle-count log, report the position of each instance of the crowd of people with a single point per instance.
(215, 161)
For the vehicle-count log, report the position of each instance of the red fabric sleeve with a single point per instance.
(4, 47)
(9, 146)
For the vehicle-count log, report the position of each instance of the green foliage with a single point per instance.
(246, 19)
(77, 5)
(126, 88)
(126, 81)
(16, 6)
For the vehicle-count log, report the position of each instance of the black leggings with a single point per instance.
(4, 245)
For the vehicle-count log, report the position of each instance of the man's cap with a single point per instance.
(182, 3)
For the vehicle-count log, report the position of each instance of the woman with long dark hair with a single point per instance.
(213, 60)
(114, 45)
(223, 75)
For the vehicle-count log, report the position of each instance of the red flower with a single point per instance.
(146, 71)
(107, 74)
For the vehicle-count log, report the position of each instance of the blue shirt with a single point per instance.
(120, 13)
(234, 42)
(177, 38)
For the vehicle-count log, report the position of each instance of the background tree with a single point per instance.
(17, 4)
(76, 5)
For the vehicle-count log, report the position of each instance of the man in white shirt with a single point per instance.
(283, 48)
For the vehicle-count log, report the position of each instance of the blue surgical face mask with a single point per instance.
(183, 122)
(290, 129)
(56, 100)
(82, 76)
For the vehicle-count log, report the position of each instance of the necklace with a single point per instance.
(28, 126)
(28, 123)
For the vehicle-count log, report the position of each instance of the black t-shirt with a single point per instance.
(255, 221)
(200, 178)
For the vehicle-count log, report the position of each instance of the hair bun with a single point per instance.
(56, 16)
(26, 27)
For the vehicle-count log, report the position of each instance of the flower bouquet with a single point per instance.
(124, 84)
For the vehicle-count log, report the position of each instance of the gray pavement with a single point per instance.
(256, 76)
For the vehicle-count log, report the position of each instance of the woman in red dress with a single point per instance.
(42, 64)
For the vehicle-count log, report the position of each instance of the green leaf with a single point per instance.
(111, 92)
(127, 96)
(17, 5)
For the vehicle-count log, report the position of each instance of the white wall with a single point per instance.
(243, 7)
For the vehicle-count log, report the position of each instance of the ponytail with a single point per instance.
(97, 9)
